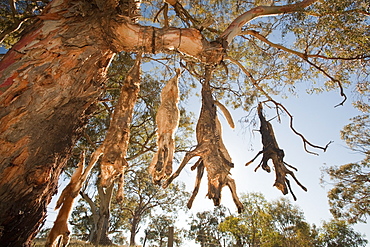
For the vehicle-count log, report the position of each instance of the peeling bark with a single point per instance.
(187, 41)
(212, 151)
(49, 82)
(272, 151)
(167, 120)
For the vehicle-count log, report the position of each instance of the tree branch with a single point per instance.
(305, 141)
(254, 82)
(305, 57)
(235, 27)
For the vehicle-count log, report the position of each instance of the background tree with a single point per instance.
(338, 233)
(50, 84)
(156, 233)
(276, 223)
(142, 197)
(350, 194)
(280, 223)
(204, 227)
(290, 224)
(106, 214)
(252, 224)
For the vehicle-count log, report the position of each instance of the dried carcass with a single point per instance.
(167, 120)
(213, 155)
(272, 151)
(65, 203)
(114, 147)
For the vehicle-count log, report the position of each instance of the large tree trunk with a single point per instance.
(50, 81)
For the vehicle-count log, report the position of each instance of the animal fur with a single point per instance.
(113, 163)
(167, 120)
(65, 203)
(211, 149)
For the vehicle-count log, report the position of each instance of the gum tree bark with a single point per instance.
(49, 83)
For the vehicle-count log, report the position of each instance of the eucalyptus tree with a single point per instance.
(105, 211)
(157, 231)
(52, 78)
(350, 194)
(263, 223)
(335, 233)
(204, 227)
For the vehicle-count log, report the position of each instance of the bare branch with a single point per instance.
(305, 141)
(236, 26)
(299, 54)
(305, 57)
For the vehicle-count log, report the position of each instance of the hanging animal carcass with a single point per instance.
(213, 155)
(167, 120)
(272, 151)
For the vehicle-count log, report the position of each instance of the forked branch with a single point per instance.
(235, 28)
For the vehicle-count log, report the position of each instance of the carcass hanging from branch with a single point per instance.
(167, 120)
(65, 202)
(114, 147)
(272, 151)
(213, 155)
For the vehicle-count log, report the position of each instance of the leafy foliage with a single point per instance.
(339, 233)
(204, 227)
(350, 194)
(280, 223)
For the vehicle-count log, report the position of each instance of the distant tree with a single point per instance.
(253, 223)
(336, 233)
(289, 222)
(350, 196)
(106, 216)
(157, 233)
(142, 197)
(268, 224)
(204, 227)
